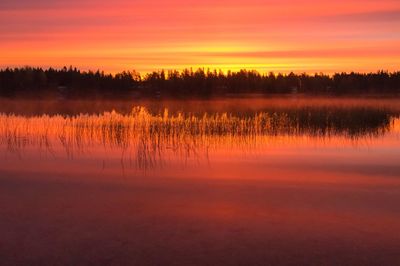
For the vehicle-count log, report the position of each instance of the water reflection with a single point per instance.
(316, 180)
(146, 140)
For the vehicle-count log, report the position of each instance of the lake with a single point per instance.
(284, 181)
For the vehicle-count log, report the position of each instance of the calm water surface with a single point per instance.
(279, 181)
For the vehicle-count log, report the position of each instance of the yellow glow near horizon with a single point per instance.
(284, 36)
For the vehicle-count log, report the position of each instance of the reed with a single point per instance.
(148, 137)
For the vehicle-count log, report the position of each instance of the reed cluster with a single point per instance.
(151, 135)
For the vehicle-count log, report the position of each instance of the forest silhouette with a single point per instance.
(73, 83)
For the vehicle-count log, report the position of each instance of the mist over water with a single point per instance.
(151, 139)
(286, 180)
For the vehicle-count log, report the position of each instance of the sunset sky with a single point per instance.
(266, 35)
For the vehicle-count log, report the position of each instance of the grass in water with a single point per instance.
(151, 136)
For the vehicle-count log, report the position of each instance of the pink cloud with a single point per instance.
(248, 29)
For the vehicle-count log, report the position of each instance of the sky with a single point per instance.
(150, 35)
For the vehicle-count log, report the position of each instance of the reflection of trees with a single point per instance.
(352, 122)
(148, 140)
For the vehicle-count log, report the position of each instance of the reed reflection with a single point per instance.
(146, 141)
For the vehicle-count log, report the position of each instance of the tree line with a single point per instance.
(73, 83)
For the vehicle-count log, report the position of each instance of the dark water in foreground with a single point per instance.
(273, 181)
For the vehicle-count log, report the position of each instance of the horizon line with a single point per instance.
(195, 69)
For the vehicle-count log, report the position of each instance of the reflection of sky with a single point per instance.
(284, 35)
(53, 144)
(300, 159)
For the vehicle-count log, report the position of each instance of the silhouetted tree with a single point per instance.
(72, 83)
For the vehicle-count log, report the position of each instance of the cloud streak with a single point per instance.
(148, 35)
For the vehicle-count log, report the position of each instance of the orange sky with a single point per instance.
(266, 35)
